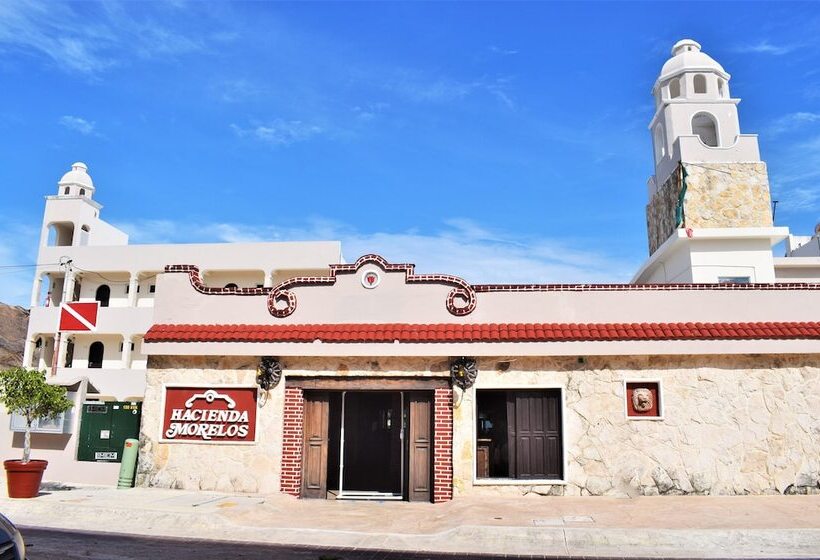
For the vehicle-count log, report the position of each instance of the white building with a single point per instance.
(83, 258)
(709, 223)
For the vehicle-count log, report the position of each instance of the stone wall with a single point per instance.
(252, 468)
(660, 212)
(733, 425)
(198, 466)
(717, 195)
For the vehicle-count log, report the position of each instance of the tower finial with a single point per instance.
(685, 45)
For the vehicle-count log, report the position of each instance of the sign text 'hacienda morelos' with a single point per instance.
(221, 414)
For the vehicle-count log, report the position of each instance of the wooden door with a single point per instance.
(420, 447)
(314, 450)
(537, 427)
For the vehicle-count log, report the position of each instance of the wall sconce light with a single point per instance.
(268, 373)
(463, 372)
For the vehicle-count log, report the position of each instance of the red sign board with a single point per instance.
(77, 316)
(218, 414)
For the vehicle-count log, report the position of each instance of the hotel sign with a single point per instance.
(213, 414)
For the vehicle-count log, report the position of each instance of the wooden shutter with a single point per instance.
(537, 427)
(314, 451)
(420, 444)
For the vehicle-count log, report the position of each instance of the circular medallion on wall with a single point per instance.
(371, 279)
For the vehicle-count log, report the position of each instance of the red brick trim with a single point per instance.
(461, 300)
(292, 441)
(388, 333)
(443, 445)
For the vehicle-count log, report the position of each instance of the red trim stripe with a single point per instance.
(482, 332)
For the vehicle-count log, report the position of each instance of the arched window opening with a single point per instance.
(703, 124)
(84, 231)
(674, 89)
(82, 192)
(60, 234)
(720, 87)
(67, 190)
(95, 354)
(103, 295)
(700, 83)
(660, 149)
(231, 286)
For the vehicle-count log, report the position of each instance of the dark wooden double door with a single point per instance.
(367, 443)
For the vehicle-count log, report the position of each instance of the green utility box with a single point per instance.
(104, 427)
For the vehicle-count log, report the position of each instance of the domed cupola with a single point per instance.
(690, 74)
(76, 182)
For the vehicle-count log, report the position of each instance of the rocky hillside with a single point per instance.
(13, 326)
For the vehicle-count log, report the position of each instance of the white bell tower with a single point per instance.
(695, 117)
(709, 181)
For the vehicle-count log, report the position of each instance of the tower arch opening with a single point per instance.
(699, 83)
(704, 126)
(674, 88)
(657, 139)
(60, 234)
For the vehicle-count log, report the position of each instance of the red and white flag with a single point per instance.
(78, 316)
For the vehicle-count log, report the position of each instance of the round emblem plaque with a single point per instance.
(371, 279)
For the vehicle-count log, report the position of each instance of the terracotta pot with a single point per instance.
(23, 479)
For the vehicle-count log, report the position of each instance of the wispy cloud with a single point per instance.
(416, 87)
(279, 132)
(89, 39)
(234, 91)
(792, 121)
(764, 47)
(370, 111)
(459, 246)
(501, 51)
(78, 124)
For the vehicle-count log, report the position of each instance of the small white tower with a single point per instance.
(72, 217)
(76, 182)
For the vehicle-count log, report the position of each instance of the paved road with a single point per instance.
(48, 544)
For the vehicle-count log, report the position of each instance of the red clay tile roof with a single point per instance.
(483, 332)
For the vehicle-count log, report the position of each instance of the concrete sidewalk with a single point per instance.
(676, 527)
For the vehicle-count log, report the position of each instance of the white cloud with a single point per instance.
(78, 124)
(502, 51)
(279, 132)
(764, 47)
(89, 39)
(461, 247)
(233, 91)
(789, 122)
(415, 86)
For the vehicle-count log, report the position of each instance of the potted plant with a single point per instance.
(25, 392)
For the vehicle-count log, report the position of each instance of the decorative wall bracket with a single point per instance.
(463, 372)
(268, 373)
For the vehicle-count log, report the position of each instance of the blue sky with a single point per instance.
(495, 141)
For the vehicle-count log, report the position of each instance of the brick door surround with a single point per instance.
(292, 443)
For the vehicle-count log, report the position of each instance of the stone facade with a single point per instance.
(731, 425)
(718, 195)
(197, 466)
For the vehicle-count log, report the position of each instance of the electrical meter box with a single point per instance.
(104, 427)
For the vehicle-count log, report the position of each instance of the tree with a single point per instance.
(25, 392)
